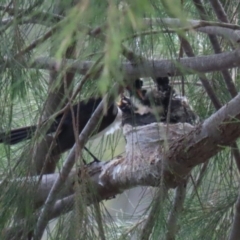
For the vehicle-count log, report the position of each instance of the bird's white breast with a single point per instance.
(112, 127)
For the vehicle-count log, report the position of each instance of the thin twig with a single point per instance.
(172, 227)
(155, 211)
(67, 166)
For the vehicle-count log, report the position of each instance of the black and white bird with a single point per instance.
(138, 109)
(65, 139)
(135, 114)
(160, 104)
(176, 108)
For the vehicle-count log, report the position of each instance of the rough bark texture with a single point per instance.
(145, 147)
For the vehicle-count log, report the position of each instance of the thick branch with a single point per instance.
(185, 152)
(148, 68)
(143, 166)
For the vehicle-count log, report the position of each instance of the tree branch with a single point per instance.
(235, 231)
(201, 64)
(188, 147)
(193, 23)
(172, 226)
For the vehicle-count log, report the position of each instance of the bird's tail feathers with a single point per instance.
(17, 135)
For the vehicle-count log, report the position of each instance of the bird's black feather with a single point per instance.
(65, 139)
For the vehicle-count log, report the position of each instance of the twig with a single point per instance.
(172, 227)
(67, 166)
(38, 41)
(217, 49)
(174, 22)
(235, 231)
(20, 15)
(220, 31)
(155, 211)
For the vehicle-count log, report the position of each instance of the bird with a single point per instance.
(142, 107)
(160, 104)
(65, 139)
(176, 108)
(135, 115)
(142, 101)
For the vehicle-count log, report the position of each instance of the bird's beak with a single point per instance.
(119, 103)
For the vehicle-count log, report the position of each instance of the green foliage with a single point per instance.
(100, 29)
